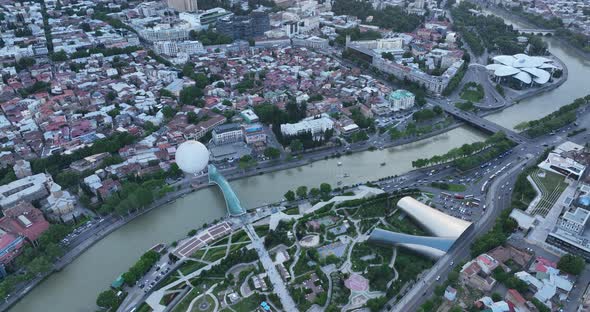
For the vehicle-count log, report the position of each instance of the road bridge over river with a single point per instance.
(481, 123)
(534, 31)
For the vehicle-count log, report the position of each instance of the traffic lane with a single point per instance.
(461, 251)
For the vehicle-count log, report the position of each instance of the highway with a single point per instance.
(497, 199)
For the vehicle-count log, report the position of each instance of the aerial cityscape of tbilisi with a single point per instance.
(294, 155)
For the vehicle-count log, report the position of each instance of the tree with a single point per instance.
(290, 196)
(272, 153)
(376, 304)
(168, 111)
(314, 192)
(571, 264)
(296, 145)
(60, 56)
(301, 191)
(325, 188)
(246, 162)
(39, 265)
(107, 299)
(189, 95)
(496, 297)
(85, 27)
(192, 118)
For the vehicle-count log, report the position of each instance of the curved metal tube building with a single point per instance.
(436, 222)
(446, 230)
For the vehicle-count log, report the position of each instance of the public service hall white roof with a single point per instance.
(522, 67)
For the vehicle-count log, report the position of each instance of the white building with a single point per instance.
(28, 189)
(401, 100)
(22, 168)
(229, 133)
(311, 42)
(164, 32)
(173, 48)
(315, 124)
(561, 161)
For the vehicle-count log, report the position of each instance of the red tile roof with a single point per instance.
(11, 222)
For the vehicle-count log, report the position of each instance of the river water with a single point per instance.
(75, 288)
(536, 107)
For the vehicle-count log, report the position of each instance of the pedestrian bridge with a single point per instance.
(232, 202)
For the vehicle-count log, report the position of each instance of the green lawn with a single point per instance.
(408, 265)
(381, 254)
(239, 237)
(261, 230)
(404, 225)
(466, 106)
(551, 186)
(199, 253)
(237, 246)
(186, 301)
(222, 241)
(472, 92)
(292, 211)
(215, 254)
(247, 304)
(190, 266)
(209, 300)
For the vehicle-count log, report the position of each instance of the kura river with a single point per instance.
(76, 287)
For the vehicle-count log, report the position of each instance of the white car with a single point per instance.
(438, 278)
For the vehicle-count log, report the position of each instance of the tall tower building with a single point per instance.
(183, 5)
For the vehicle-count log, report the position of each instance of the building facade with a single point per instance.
(312, 42)
(315, 125)
(183, 5)
(229, 133)
(254, 133)
(244, 27)
(401, 100)
(173, 48)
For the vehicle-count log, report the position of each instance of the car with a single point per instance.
(142, 286)
(452, 262)
(438, 278)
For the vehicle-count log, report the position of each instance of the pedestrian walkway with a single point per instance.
(278, 285)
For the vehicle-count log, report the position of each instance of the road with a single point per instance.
(497, 199)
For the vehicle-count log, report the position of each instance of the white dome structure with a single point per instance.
(192, 156)
(523, 68)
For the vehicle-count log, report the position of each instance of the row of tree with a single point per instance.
(138, 193)
(565, 115)
(36, 261)
(461, 152)
(144, 264)
(324, 191)
(427, 114)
